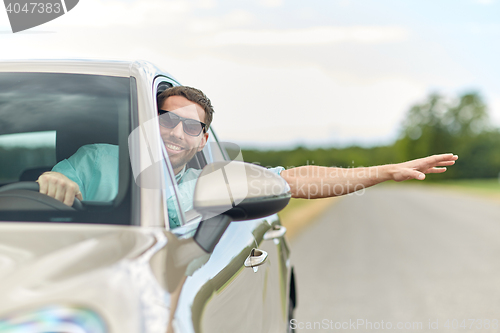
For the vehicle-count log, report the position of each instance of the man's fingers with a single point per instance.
(59, 187)
(445, 163)
(415, 174)
(435, 170)
(69, 198)
(71, 191)
(416, 169)
(444, 157)
(43, 185)
(438, 160)
(51, 190)
(420, 176)
(60, 193)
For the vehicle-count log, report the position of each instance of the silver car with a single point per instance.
(116, 266)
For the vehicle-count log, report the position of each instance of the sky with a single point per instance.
(282, 73)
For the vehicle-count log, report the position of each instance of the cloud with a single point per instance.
(99, 13)
(138, 14)
(311, 36)
(494, 109)
(176, 19)
(236, 18)
(271, 3)
(207, 3)
(485, 28)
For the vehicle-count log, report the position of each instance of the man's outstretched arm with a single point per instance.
(312, 182)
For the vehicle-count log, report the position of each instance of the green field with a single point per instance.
(479, 186)
(482, 187)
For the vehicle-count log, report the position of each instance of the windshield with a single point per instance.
(51, 121)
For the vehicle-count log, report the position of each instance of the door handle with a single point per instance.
(256, 258)
(277, 231)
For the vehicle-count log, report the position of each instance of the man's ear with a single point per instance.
(203, 141)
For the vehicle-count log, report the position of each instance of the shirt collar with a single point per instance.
(178, 176)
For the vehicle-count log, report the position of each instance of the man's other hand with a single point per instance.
(59, 187)
(416, 169)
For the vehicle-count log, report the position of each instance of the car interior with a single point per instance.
(68, 141)
(44, 119)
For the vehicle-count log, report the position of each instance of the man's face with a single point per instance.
(180, 146)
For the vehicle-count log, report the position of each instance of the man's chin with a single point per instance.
(178, 162)
(177, 165)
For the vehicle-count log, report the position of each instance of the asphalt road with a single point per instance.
(422, 260)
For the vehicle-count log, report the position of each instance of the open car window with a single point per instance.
(186, 185)
(76, 124)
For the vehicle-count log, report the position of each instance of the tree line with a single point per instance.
(437, 125)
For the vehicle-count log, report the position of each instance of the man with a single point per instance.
(185, 115)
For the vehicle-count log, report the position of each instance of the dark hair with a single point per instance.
(191, 94)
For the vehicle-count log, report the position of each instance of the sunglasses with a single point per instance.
(191, 127)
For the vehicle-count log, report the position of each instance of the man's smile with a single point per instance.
(173, 147)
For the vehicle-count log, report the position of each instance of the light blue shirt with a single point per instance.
(94, 168)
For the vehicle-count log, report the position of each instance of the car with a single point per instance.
(116, 265)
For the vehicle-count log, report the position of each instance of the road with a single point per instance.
(405, 255)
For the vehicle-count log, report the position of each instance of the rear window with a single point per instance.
(22, 152)
(45, 118)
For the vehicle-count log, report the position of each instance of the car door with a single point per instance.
(256, 301)
(275, 272)
(235, 301)
(269, 235)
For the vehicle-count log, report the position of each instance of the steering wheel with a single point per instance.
(35, 187)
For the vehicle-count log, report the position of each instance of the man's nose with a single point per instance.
(177, 131)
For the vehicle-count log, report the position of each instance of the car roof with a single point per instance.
(143, 69)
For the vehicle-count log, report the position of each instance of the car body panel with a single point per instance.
(83, 265)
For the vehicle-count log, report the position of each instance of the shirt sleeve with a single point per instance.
(94, 168)
(277, 170)
(66, 168)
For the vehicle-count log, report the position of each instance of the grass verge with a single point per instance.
(486, 188)
(301, 212)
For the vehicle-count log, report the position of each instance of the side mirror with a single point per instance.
(240, 190)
